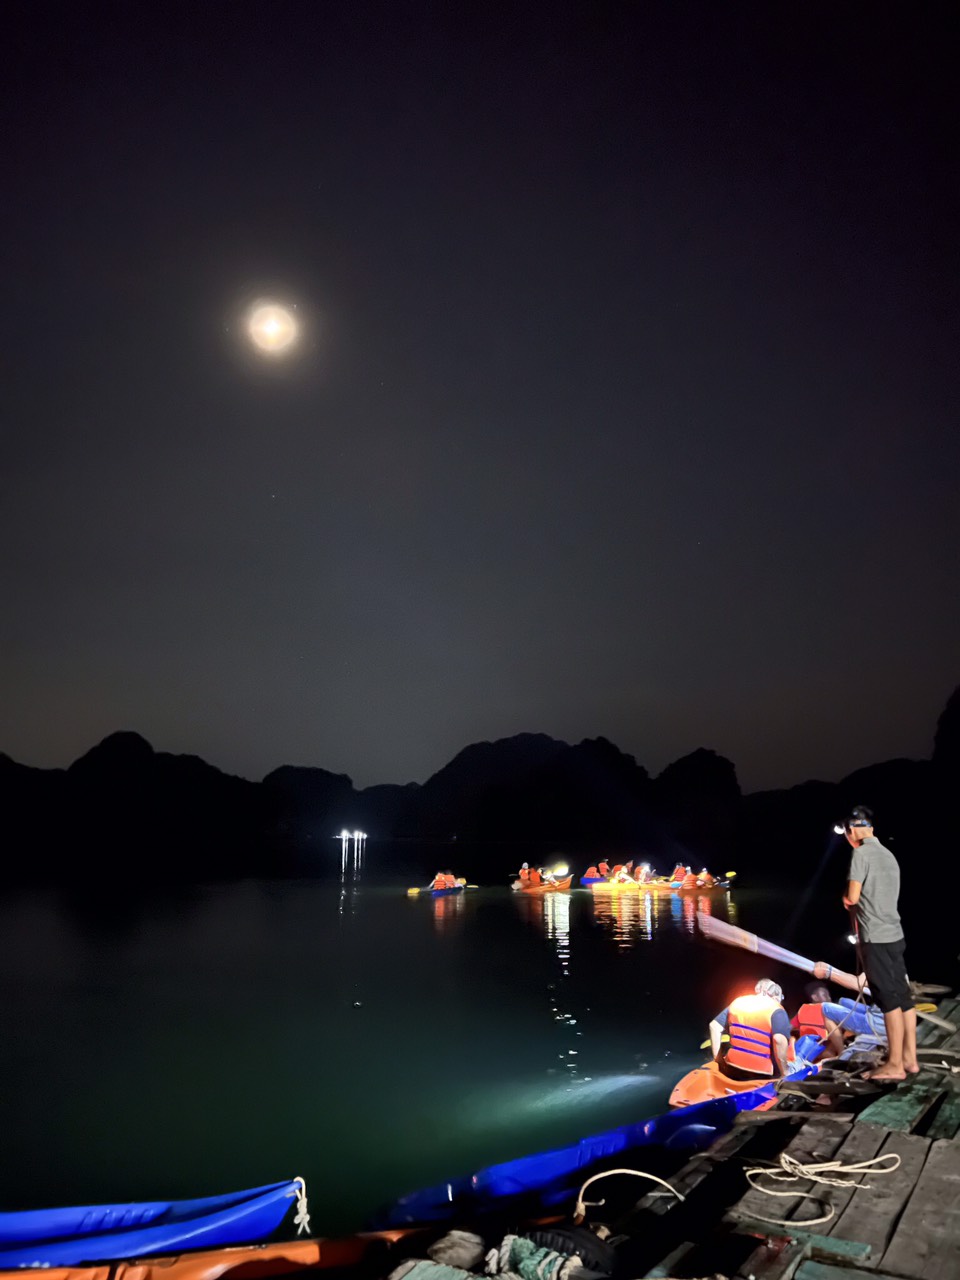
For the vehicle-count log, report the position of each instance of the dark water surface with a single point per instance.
(341, 1030)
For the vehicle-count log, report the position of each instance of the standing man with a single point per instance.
(873, 888)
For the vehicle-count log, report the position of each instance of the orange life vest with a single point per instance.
(689, 881)
(604, 868)
(750, 1028)
(592, 873)
(810, 1020)
(534, 877)
(679, 871)
(642, 875)
(707, 881)
(618, 868)
(525, 873)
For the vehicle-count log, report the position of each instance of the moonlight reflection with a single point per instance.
(272, 328)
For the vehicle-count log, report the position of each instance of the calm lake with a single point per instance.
(341, 1030)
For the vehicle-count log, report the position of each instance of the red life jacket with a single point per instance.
(525, 873)
(810, 1020)
(604, 868)
(679, 871)
(592, 873)
(534, 877)
(750, 1028)
(618, 868)
(689, 881)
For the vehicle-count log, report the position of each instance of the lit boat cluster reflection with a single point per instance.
(636, 917)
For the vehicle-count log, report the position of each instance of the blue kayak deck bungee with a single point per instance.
(99, 1233)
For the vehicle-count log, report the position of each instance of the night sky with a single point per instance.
(625, 400)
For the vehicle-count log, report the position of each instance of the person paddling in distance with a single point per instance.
(873, 890)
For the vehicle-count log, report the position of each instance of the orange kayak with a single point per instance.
(544, 888)
(706, 1082)
(254, 1262)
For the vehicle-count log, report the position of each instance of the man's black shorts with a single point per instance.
(887, 975)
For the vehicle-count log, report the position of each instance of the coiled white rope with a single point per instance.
(791, 1170)
(581, 1206)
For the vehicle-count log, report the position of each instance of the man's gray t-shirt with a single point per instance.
(877, 870)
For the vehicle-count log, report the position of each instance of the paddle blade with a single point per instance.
(412, 892)
(730, 875)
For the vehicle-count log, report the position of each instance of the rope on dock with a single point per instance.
(792, 1170)
(581, 1205)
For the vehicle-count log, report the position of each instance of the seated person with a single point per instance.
(643, 874)
(811, 1019)
(592, 874)
(679, 871)
(604, 867)
(705, 880)
(524, 872)
(624, 875)
(759, 1032)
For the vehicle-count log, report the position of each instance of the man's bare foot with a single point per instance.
(880, 1074)
(911, 1068)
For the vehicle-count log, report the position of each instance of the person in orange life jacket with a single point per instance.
(679, 871)
(604, 867)
(643, 873)
(705, 879)
(811, 1020)
(592, 874)
(439, 881)
(689, 881)
(873, 887)
(534, 876)
(759, 1032)
(623, 875)
(524, 872)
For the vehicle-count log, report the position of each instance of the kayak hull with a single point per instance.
(559, 887)
(445, 893)
(98, 1233)
(552, 1178)
(707, 1082)
(630, 886)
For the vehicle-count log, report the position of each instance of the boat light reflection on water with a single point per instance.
(507, 1106)
(635, 917)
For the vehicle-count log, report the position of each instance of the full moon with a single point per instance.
(272, 328)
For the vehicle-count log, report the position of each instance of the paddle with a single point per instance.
(720, 931)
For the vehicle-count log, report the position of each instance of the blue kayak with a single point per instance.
(100, 1233)
(555, 1176)
(442, 893)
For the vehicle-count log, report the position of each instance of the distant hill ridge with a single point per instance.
(125, 808)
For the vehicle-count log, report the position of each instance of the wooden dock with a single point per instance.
(899, 1225)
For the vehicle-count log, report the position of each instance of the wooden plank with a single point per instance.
(901, 1108)
(871, 1213)
(926, 1243)
(752, 1118)
(863, 1142)
(946, 1123)
(812, 1145)
(811, 1270)
(929, 1032)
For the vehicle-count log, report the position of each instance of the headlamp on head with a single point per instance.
(860, 816)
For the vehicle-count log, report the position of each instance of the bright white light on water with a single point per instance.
(272, 328)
